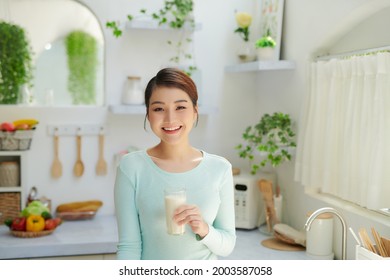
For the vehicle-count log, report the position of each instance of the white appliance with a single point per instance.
(248, 202)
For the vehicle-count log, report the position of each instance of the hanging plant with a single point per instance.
(15, 62)
(82, 63)
(177, 14)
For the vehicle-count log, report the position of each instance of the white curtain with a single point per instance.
(344, 135)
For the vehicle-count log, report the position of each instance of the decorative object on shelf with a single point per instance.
(177, 14)
(17, 135)
(15, 62)
(272, 137)
(133, 94)
(265, 47)
(271, 18)
(81, 50)
(245, 51)
(9, 174)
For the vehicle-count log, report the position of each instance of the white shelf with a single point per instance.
(153, 25)
(141, 109)
(261, 66)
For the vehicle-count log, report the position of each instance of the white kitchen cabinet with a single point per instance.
(12, 198)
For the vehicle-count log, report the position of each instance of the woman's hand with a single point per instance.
(190, 214)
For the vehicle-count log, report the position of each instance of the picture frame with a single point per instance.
(271, 18)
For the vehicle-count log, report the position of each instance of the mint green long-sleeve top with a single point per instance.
(139, 206)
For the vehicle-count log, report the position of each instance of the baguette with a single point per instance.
(80, 206)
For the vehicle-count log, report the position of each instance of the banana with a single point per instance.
(30, 122)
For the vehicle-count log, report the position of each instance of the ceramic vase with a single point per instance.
(267, 53)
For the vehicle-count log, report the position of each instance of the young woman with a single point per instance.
(172, 111)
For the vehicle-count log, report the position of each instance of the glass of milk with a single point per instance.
(174, 197)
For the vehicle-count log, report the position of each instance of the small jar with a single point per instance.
(133, 94)
(319, 239)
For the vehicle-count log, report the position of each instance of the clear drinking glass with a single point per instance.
(174, 197)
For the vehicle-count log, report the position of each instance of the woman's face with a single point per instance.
(171, 114)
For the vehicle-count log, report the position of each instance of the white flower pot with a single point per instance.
(266, 53)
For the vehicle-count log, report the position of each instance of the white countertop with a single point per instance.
(95, 236)
(99, 236)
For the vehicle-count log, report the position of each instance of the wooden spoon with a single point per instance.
(78, 168)
(101, 166)
(56, 168)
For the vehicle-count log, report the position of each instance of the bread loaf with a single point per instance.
(79, 206)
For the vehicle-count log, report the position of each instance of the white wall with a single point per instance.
(242, 98)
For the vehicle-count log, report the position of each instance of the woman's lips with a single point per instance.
(171, 130)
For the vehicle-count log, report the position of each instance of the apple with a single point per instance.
(7, 126)
(50, 224)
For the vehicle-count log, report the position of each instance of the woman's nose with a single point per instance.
(169, 115)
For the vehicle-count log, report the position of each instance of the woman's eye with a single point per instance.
(181, 107)
(158, 109)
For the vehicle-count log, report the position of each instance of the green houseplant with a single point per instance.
(178, 15)
(15, 62)
(265, 47)
(272, 136)
(82, 63)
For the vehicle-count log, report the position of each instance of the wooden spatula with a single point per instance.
(78, 168)
(101, 166)
(56, 168)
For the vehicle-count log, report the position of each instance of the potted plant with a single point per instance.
(265, 47)
(15, 62)
(81, 50)
(271, 138)
(177, 14)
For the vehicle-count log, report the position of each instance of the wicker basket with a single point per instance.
(19, 140)
(9, 206)
(9, 174)
(30, 234)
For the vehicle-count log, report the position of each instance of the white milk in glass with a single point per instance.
(173, 199)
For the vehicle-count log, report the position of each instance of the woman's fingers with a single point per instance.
(190, 214)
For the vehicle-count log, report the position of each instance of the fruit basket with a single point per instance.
(19, 140)
(30, 234)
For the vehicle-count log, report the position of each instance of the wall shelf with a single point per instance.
(140, 109)
(153, 25)
(261, 66)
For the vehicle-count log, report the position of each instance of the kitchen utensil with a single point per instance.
(56, 168)
(101, 166)
(355, 236)
(367, 243)
(78, 168)
(386, 244)
(265, 188)
(379, 246)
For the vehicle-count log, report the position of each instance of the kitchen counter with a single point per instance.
(97, 239)
(86, 237)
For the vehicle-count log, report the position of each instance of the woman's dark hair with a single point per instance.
(171, 78)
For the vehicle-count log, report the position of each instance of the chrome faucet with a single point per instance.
(343, 224)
